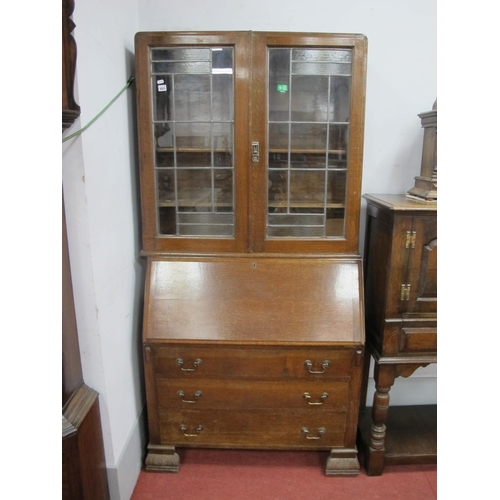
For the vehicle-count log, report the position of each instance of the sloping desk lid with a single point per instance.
(254, 301)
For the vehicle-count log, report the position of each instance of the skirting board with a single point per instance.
(123, 478)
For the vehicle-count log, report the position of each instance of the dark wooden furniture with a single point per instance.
(70, 109)
(425, 187)
(401, 326)
(251, 152)
(84, 475)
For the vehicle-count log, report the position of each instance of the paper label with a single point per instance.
(162, 88)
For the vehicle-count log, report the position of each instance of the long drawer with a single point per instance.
(295, 394)
(293, 429)
(251, 363)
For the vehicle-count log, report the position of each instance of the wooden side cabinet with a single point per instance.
(400, 265)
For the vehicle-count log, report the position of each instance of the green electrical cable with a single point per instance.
(129, 82)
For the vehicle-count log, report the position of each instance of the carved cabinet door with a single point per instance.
(422, 267)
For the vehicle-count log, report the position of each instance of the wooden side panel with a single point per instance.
(377, 257)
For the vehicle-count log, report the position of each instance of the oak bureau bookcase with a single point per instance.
(250, 150)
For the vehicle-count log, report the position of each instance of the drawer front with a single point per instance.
(419, 339)
(253, 429)
(222, 394)
(268, 363)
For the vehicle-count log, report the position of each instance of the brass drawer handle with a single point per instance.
(307, 397)
(321, 432)
(197, 395)
(196, 363)
(183, 429)
(324, 365)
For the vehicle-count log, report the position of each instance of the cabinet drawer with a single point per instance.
(253, 429)
(267, 363)
(240, 394)
(418, 339)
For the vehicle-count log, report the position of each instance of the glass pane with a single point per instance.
(164, 135)
(196, 218)
(162, 97)
(222, 95)
(193, 158)
(192, 135)
(277, 191)
(180, 67)
(193, 111)
(297, 219)
(308, 160)
(180, 54)
(167, 223)
(307, 188)
(320, 68)
(223, 190)
(278, 160)
(194, 190)
(192, 98)
(336, 187)
(222, 144)
(222, 60)
(340, 99)
(308, 137)
(335, 222)
(318, 55)
(278, 137)
(206, 230)
(279, 84)
(337, 141)
(295, 232)
(165, 185)
(309, 98)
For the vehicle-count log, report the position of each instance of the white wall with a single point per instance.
(100, 169)
(101, 195)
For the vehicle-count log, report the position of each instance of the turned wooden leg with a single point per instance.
(375, 451)
(162, 459)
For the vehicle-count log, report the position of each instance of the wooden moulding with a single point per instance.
(76, 409)
(162, 459)
(425, 188)
(342, 463)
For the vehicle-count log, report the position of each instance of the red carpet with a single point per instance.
(278, 475)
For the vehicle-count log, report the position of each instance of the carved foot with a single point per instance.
(162, 459)
(342, 463)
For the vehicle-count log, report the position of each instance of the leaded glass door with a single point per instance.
(312, 121)
(251, 142)
(308, 130)
(194, 192)
(193, 130)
